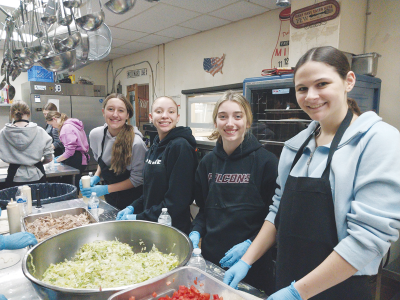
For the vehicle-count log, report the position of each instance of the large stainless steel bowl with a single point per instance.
(64, 245)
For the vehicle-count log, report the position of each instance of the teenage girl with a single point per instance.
(337, 209)
(58, 147)
(23, 144)
(74, 139)
(234, 187)
(169, 170)
(119, 150)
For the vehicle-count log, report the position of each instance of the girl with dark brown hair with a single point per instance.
(58, 146)
(119, 150)
(336, 210)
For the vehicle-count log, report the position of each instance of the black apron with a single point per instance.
(225, 205)
(120, 199)
(155, 187)
(12, 170)
(306, 229)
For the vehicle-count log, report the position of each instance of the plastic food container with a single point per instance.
(168, 283)
(365, 64)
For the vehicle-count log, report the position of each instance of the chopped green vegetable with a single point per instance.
(108, 264)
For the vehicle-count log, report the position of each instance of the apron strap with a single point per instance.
(301, 149)
(336, 140)
(102, 142)
(12, 170)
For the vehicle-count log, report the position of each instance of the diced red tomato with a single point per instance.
(195, 281)
(154, 294)
(168, 283)
(131, 298)
(184, 293)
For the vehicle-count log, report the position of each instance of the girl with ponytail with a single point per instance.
(119, 150)
(73, 137)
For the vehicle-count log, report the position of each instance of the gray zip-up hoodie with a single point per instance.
(25, 146)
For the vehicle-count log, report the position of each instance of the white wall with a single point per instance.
(383, 36)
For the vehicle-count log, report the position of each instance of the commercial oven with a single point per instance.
(276, 115)
(83, 102)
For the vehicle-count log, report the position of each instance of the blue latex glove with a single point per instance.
(127, 210)
(93, 181)
(55, 158)
(288, 293)
(235, 274)
(2, 297)
(129, 217)
(17, 241)
(100, 190)
(194, 236)
(234, 254)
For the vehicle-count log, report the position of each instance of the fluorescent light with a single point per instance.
(10, 3)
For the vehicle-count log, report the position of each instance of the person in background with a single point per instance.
(234, 188)
(15, 241)
(58, 147)
(337, 208)
(119, 150)
(169, 170)
(23, 145)
(74, 139)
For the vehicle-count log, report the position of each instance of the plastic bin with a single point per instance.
(38, 73)
(49, 192)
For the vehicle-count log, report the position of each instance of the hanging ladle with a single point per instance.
(91, 21)
(49, 19)
(71, 41)
(11, 89)
(65, 19)
(120, 6)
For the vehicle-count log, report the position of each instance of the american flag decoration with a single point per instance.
(213, 65)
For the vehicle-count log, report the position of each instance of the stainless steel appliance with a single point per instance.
(83, 102)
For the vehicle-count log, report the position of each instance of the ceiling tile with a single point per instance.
(271, 4)
(136, 46)
(118, 43)
(157, 18)
(121, 51)
(124, 34)
(238, 11)
(204, 22)
(177, 32)
(155, 39)
(200, 6)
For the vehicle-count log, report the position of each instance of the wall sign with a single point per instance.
(137, 73)
(213, 65)
(280, 56)
(313, 14)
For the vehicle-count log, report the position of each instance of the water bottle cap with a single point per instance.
(197, 251)
(164, 209)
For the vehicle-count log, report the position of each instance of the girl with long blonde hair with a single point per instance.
(119, 150)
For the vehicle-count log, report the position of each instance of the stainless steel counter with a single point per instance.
(15, 286)
(52, 170)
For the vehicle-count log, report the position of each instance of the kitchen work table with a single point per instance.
(52, 170)
(14, 285)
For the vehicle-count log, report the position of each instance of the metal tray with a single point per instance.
(58, 213)
(168, 283)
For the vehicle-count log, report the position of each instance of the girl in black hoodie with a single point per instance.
(169, 170)
(234, 185)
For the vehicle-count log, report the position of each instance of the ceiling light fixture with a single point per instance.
(283, 3)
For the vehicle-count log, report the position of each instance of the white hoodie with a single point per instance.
(25, 146)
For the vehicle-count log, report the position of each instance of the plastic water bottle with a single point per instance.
(93, 205)
(164, 217)
(197, 260)
(22, 201)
